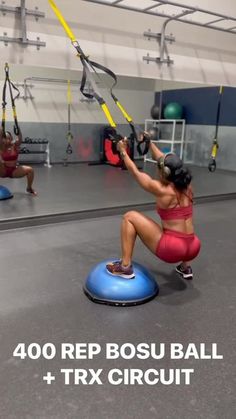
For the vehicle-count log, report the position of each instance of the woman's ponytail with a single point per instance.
(181, 178)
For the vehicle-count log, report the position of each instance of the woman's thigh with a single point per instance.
(21, 171)
(2, 170)
(147, 229)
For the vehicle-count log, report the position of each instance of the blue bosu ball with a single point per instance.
(5, 193)
(102, 287)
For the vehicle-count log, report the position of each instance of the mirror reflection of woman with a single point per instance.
(9, 167)
(174, 240)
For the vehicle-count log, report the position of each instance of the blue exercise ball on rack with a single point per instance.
(102, 287)
(5, 193)
(173, 111)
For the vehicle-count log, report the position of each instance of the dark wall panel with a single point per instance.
(200, 104)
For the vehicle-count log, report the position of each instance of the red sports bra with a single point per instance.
(176, 213)
(9, 155)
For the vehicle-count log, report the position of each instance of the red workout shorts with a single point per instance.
(9, 171)
(176, 247)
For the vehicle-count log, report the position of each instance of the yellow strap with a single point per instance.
(14, 112)
(4, 115)
(108, 115)
(221, 89)
(62, 20)
(73, 39)
(69, 93)
(127, 117)
(214, 150)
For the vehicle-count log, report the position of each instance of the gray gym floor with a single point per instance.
(43, 270)
(80, 188)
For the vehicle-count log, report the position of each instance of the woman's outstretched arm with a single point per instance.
(156, 152)
(145, 181)
(19, 139)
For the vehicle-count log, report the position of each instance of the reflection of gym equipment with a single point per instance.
(154, 133)
(89, 69)
(35, 146)
(29, 140)
(85, 148)
(104, 288)
(5, 193)
(215, 144)
(109, 151)
(69, 135)
(11, 88)
(173, 111)
(155, 112)
(169, 133)
(24, 150)
(21, 12)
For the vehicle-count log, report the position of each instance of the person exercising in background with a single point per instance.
(9, 152)
(174, 241)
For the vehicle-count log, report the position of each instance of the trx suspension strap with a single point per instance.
(88, 68)
(69, 135)
(11, 86)
(215, 144)
(145, 139)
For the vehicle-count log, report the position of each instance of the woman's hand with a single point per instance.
(122, 145)
(142, 136)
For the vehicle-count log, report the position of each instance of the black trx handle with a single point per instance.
(11, 86)
(212, 165)
(111, 134)
(212, 161)
(115, 138)
(69, 149)
(143, 145)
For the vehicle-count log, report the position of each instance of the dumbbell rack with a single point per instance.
(30, 148)
(175, 131)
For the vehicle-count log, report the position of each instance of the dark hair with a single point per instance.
(180, 176)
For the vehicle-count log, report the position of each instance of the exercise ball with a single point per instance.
(104, 288)
(155, 112)
(5, 193)
(173, 111)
